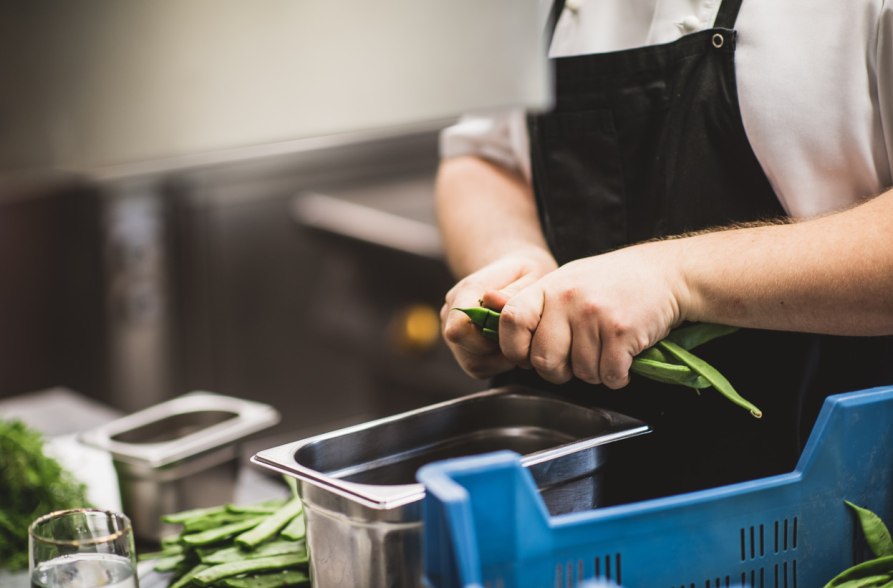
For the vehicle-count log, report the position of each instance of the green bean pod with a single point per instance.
(711, 374)
(236, 553)
(876, 534)
(668, 362)
(668, 373)
(185, 515)
(217, 573)
(220, 533)
(271, 525)
(269, 580)
(691, 336)
(485, 319)
(873, 567)
(878, 581)
(186, 580)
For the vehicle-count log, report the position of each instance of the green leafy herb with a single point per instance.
(32, 484)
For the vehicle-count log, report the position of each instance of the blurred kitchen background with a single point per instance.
(179, 212)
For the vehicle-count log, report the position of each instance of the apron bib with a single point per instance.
(649, 142)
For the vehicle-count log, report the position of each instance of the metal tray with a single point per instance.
(362, 502)
(178, 454)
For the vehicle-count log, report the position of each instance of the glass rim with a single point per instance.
(32, 532)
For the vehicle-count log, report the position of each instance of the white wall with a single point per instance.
(90, 83)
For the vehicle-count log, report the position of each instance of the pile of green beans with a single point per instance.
(229, 546)
(670, 361)
(876, 572)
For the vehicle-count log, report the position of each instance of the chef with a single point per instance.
(721, 161)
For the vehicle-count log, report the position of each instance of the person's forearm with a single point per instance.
(485, 212)
(832, 274)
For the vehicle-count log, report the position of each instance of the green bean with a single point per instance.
(292, 484)
(220, 533)
(273, 580)
(219, 572)
(873, 567)
(166, 551)
(877, 581)
(270, 525)
(485, 319)
(268, 507)
(237, 553)
(185, 515)
(711, 374)
(876, 534)
(169, 563)
(295, 530)
(655, 354)
(186, 579)
(669, 362)
(216, 520)
(668, 373)
(691, 336)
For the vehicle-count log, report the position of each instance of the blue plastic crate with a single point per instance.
(486, 525)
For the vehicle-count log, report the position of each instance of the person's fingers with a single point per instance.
(585, 353)
(616, 357)
(461, 334)
(483, 366)
(518, 321)
(496, 299)
(550, 347)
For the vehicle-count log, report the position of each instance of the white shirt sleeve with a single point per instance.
(500, 138)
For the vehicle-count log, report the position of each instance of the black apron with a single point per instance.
(649, 142)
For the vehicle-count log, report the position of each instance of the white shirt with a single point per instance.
(815, 85)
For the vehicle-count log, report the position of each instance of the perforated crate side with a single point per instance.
(486, 525)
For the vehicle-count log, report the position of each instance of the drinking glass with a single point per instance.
(82, 548)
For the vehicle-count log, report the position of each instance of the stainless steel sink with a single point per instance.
(362, 503)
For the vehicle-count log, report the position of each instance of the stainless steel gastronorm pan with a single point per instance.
(179, 454)
(362, 502)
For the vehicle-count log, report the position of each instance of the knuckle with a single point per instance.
(618, 328)
(557, 377)
(586, 374)
(454, 332)
(615, 381)
(590, 309)
(514, 354)
(513, 317)
(568, 295)
(545, 364)
(539, 363)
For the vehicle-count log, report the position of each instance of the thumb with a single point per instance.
(496, 299)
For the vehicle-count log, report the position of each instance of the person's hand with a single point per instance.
(591, 317)
(490, 286)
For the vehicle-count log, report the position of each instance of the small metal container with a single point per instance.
(178, 455)
(363, 505)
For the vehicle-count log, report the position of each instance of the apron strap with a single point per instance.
(554, 15)
(728, 14)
